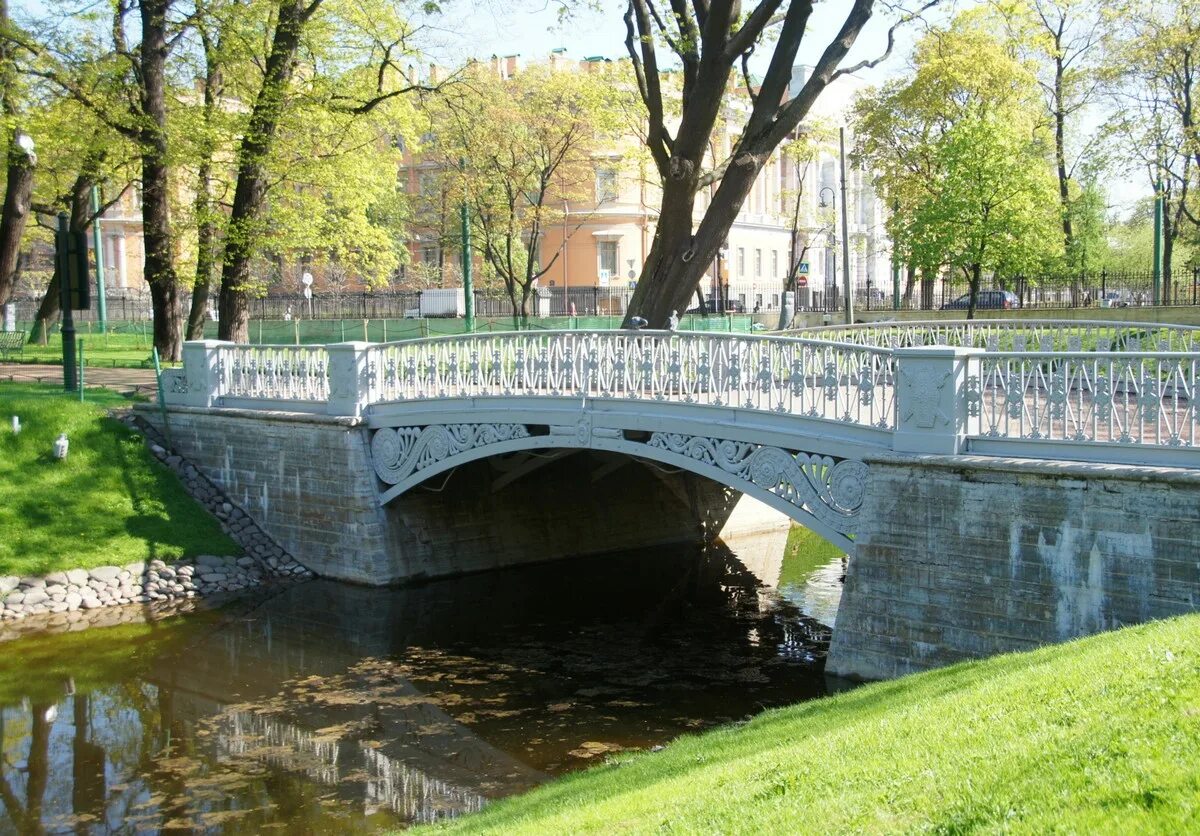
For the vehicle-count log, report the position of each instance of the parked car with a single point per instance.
(1118, 299)
(985, 300)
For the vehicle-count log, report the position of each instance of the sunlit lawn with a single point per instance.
(108, 502)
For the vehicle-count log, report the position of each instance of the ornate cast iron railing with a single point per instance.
(273, 372)
(976, 392)
(853, 384)
(1015, 335)
(1122, 398)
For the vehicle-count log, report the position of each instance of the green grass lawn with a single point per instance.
(109, 502)
(120, 350)
(1098, 736)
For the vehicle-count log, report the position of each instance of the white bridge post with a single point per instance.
(349, 378)
(201, 372)
(936, 407)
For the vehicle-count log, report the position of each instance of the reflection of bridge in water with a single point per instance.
(944, 457)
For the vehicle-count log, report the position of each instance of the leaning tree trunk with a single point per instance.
(206, 240)
(156, 190)
(249, 194)
(206, 229)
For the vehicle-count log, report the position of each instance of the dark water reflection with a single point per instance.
(334, 708)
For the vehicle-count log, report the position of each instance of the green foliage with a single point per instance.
(516, 151)
(1099, 735)
(962, 154)
(109, 502)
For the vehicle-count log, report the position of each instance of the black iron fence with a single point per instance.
(1100, 289)
(1103, 289)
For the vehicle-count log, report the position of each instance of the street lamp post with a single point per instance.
(827, 203)
(845, 233)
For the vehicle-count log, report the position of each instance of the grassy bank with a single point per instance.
(108, 502)
(1100, 735)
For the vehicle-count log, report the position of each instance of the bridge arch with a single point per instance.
(819, 491)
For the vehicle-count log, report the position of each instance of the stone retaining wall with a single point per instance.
(965, 557)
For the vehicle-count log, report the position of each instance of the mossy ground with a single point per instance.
(108, 503)
(1101, 735)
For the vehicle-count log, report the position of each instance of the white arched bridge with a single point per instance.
(787, 419)
(998, 483)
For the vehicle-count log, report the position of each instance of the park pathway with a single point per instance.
(135, 381)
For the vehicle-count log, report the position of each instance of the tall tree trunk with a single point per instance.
(19, 177)
(976, 278)
(18, 189)
(242, 236)
(910, 283)
(206, 218)
(1060, 153)
(156, 190)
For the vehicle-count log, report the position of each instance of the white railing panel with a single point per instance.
(273, 372)
(1102, 397)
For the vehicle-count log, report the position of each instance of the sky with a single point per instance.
(532, 30)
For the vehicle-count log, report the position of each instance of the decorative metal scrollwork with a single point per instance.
(398, 453)
(831, 490)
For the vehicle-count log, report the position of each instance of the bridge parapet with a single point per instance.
(1133, 406)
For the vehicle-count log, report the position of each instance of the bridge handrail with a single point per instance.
(819, 379)
(626, 333)
(1147, 398)
(1041, 334)
(932, 399)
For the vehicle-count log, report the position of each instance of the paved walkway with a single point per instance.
(137, 381)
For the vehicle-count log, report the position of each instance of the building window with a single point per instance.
(606, 184)
(775, 264)
(741, 262)
(607, 258)
(427, 183)
(758, 264)
(430, 254)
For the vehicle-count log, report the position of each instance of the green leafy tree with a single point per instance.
(709, 42)
(1152, 64)
(349, 70)
(518, 149)
(962, 157)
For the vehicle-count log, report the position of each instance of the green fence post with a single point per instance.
(295, 331)
(81, 369)
(162, 403)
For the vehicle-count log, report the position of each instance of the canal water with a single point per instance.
(331, 708)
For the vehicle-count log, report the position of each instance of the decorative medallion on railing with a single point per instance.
(830, 489)
(398, 453)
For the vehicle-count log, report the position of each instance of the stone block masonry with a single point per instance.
(964, 557)
(308, 482)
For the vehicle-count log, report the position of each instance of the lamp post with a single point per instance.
(845, 233)
(98, 246)
(1158, 242)
(831, 244)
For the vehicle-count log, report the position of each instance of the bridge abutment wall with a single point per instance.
(965, 557)
(309, 482)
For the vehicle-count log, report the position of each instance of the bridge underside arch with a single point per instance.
(821, 492)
